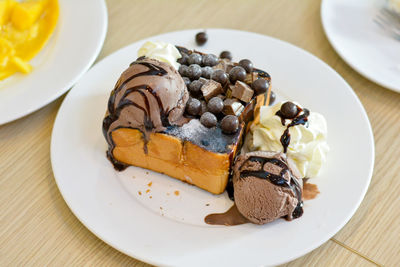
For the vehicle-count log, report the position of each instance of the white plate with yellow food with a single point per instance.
(161, 220)
(46, 45)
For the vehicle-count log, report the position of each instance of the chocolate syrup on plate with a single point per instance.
(228, 218)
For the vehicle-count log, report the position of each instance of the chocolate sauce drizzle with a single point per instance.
(114, 112)
(297, 120)
(278, 180)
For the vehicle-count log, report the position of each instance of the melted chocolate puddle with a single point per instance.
(228, 218)
(310, 191)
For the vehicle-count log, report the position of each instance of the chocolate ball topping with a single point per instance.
(289, 110)
(195, 58)
(210, 60)
(237, 74)
(247, 65)
(272, 98)
(194, 72)
(183, 70)
(230, 124)
(215, 105)
(206, 72)
(201, 38)
(208, 119)
(220, 76)
(260, 86)
(193, 107)
(226, 54)
(195, 86)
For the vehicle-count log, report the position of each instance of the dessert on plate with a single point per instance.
(186, 123)
(206, 120)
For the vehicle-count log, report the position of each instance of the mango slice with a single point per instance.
(25, 27)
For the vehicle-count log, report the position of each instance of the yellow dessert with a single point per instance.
(25, 28)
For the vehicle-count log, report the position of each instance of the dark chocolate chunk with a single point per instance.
(194, 72)
(208, 119)
(226, 54)
(193, 107)
(260, 86)
(249, 78)
(232, 107)
(195, 58)
(215, 105)
(237, 74)
(220, 76)
(272, 98)
(210, 60)
(206, 72)
(289, 110)
(210, 89)
(195, 86)
(201, 38)
(230, 124)
(202, 80)
(225, 65)
(184, 59)
(242, 91)
(247, 65)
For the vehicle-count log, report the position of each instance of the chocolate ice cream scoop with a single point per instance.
(265, 188)
(150, 95)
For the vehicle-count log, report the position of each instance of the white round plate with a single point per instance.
(367, 48)
(71, 50)
(160, 220)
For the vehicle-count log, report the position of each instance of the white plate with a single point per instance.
(350, 29)
(71, 50)
(168, 229)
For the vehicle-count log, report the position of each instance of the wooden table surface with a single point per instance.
(37, 227)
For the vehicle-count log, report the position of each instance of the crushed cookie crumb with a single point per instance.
(150, 197)
(149, 184)
(176, 192)
(148, 190)
(140, 192)
(207, 204)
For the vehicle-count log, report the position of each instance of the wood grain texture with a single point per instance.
(39, 229)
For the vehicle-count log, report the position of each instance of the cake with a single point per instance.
(187, 123)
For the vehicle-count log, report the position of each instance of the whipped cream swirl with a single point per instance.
(164, 52)
(308, 146)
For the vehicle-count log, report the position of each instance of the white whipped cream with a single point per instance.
(161, 51)
(308, 147)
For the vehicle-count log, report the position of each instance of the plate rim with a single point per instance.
(302, 252)
(338, 50)
(69, 85)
